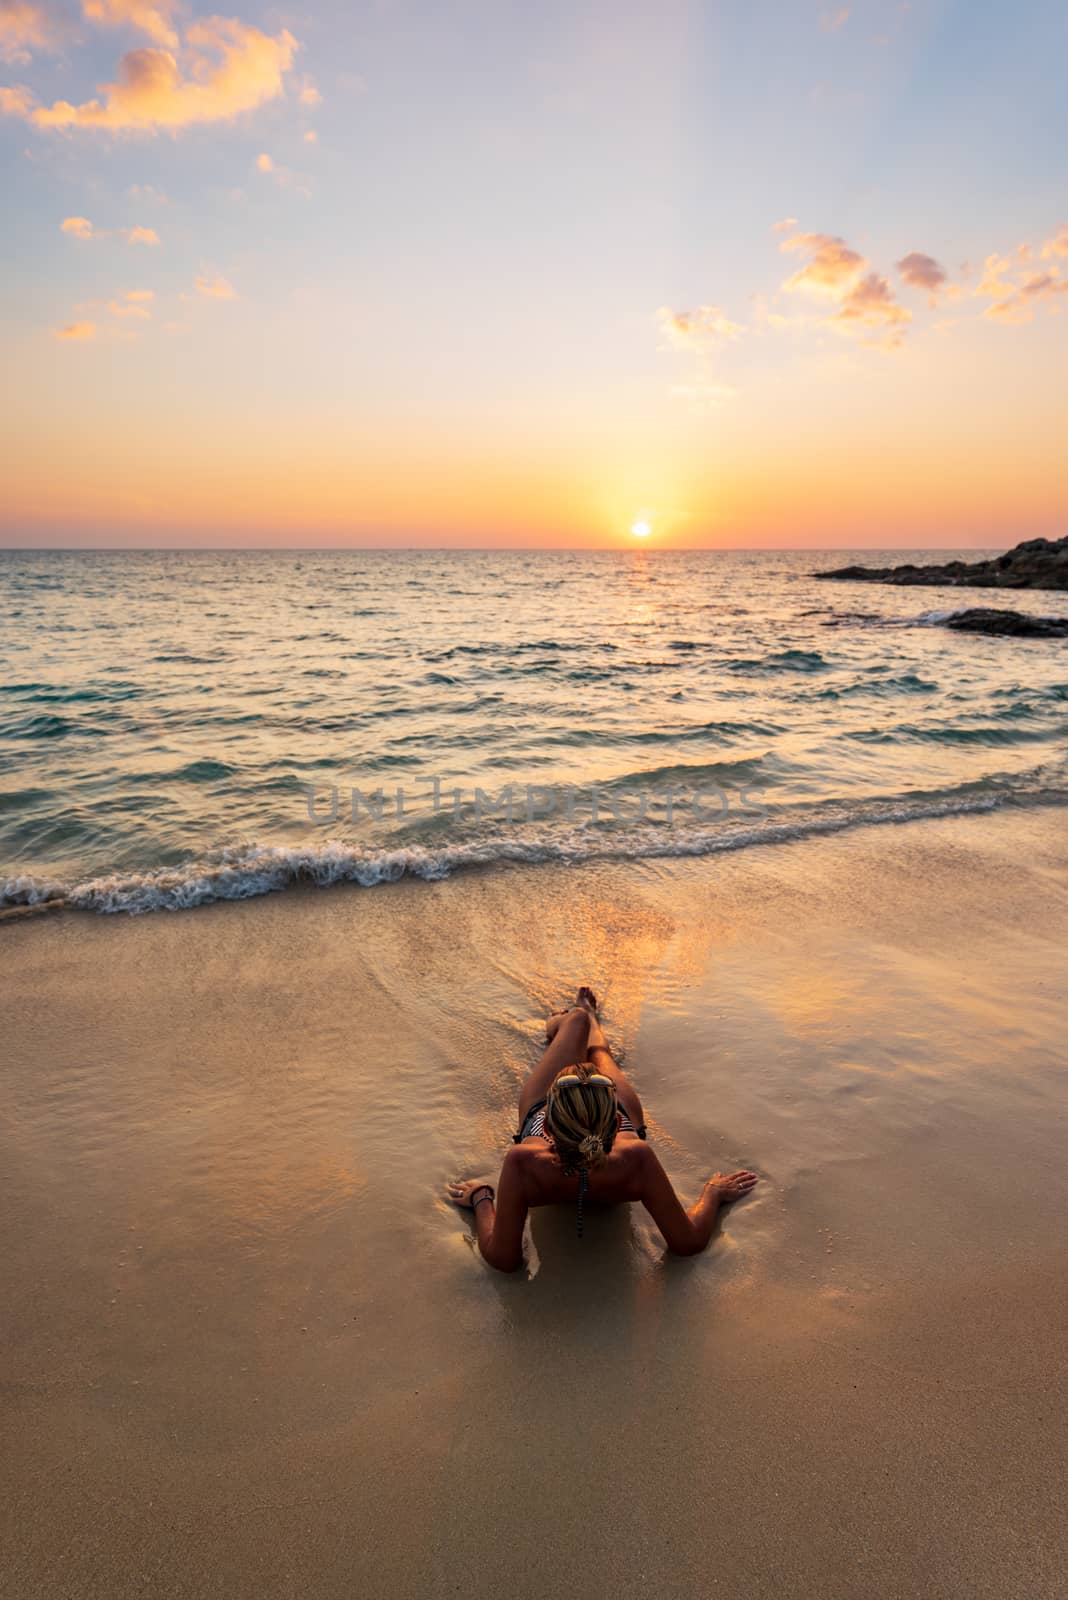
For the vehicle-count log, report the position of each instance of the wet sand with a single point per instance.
(250, 1350)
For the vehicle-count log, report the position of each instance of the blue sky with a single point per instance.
(415, 269)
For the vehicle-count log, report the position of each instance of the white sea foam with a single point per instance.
(253, 870)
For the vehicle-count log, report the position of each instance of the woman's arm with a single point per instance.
(499, 1225)
(687, 1232)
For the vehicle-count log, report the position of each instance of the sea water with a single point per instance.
(183, 726)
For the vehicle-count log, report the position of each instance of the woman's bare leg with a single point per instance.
(599, 1055)
(567, 1049)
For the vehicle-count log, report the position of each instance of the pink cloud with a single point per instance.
(835, 271)
(832, 269)
(922, 272)
(1020, 305)
(870, 304)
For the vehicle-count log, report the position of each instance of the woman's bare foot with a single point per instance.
(585, 999)
(733, 1185)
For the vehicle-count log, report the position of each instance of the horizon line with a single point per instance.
(465, 549)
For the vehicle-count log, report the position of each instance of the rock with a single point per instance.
(1011, 624)
(1035, 564)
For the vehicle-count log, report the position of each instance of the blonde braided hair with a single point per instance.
(581, 1119)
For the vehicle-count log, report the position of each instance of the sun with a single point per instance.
(641, 530)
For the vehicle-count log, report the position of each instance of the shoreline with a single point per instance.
(332, 863)
(246, 1327)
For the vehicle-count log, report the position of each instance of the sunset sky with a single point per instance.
(473, 273)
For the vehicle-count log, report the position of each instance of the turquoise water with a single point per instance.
(177, 727)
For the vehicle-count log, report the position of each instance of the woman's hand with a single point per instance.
(460, 1193)
(731, 1186)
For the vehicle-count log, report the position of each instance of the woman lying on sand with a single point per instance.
(582, 1137)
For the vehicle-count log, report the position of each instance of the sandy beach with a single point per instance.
(251, 1350)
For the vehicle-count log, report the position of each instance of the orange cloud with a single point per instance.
(16, 102)
(311, 137)
(153, 20)
(871, 304)
(1058, 244)
(24, 28)
(784, 225)
(993, 283)
(82, 228)
(1015, 298)
(1019, 306)
(837, 272)
(697, 330)
(308, 94)
(216, 288)
(228, 67)
(281, 175)
(699, 333)
(922, 272)
(132, 305)
(833, 268)
(76, 330)
(831, 21)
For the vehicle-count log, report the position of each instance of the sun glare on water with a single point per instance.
(641, 530)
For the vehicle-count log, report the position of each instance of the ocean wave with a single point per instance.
(947, 734)
(184, 659)
(202, 771)
(46, 694)
(781, 661)
(517, 647)
(852, 619)
(248, 871)
(46, 725)
(693, 774)
(713, 732)
(903, 683)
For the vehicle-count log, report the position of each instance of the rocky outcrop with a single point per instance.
(1011, 624)
(1035, 564)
